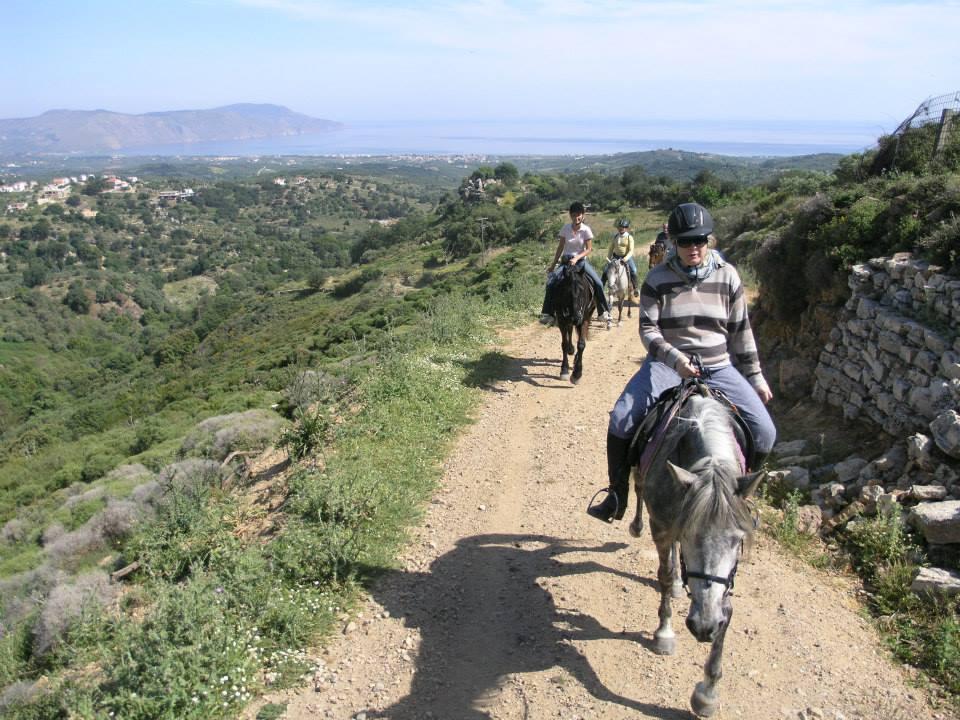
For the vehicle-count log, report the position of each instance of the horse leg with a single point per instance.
(578, 358)
(676, 585)
(664, 639)
(705, 700)
(564, 344)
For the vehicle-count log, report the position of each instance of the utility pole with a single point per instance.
(483, 245)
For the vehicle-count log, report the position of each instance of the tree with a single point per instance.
(507, 173)
(77, 299)
(35, 274)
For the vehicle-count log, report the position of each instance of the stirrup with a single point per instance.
(616, 505)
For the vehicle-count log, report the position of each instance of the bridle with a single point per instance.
(727, 582)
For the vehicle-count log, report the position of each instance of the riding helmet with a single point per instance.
(689, 220)
(623, 223)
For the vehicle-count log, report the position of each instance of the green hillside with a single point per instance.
(151, 346)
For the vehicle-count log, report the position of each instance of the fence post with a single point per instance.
(943, 132)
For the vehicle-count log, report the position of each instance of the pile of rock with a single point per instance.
(911, 478)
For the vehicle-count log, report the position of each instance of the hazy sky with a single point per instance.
(871, 61)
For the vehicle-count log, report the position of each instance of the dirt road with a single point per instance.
(514, 604)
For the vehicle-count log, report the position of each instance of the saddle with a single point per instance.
(649, 435)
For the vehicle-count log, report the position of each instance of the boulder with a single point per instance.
(848, 470)
(938, 521)
(792, 447)
(809, 519)
(937, 582)
(927, 493)
(946, 432)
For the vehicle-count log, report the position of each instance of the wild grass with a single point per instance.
(210, 615)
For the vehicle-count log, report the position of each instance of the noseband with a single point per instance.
(727, 582)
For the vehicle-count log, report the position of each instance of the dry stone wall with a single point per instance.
(894, 356)
(893, 359)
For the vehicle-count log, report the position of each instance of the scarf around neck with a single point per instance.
(698, 273)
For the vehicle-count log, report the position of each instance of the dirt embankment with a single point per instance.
(513, 604)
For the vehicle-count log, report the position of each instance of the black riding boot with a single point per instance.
(614, 505)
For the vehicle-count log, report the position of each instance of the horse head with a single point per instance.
(715, 520)
(574, 294)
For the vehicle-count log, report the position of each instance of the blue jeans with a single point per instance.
(654, 377)
(591, 273)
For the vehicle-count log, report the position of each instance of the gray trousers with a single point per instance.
(654, 377)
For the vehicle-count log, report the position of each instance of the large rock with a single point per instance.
(938, 521)
(946, 432)
(937, 582)
(849, 470)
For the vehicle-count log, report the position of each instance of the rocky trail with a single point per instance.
(514, 604)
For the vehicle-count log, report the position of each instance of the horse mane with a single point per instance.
(712, 500)
(574, 296)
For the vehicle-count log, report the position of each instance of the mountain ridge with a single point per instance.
(78, 131)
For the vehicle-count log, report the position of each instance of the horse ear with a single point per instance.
(748, 484)
(680, 475)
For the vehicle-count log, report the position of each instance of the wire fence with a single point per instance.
(929, 111)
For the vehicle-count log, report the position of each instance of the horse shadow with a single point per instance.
(494, 366)
(484, 614)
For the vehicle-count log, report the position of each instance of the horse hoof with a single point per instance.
(665, 646)
(564, 376)
(703, 702)
(575, 379)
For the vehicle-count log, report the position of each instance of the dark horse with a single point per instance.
(696, 496)
(573, 304)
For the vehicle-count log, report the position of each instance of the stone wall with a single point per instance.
(894, 356)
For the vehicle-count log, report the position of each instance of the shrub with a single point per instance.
(14, 531)
(218, 436)
(66, 604)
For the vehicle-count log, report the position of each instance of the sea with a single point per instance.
(550, 138)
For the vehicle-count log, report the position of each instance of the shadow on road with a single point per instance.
(492, 367)
(484, 614)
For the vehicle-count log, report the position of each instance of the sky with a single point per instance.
(486, 60)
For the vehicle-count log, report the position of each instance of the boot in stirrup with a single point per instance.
(614, 505)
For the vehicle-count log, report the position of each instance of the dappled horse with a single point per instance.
(573, 305)
(657, 254)
(696, 495)
(617, 279)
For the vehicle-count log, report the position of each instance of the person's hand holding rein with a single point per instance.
(686, 369)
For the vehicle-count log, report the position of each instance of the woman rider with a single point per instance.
(691, 304)
(621, 249)
(575, 241)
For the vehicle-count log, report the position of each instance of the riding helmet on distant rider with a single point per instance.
(623, 223)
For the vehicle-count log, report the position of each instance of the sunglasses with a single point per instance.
(691, 241)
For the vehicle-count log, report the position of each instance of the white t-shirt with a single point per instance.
(575, 242)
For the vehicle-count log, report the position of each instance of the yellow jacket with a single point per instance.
(621, 245)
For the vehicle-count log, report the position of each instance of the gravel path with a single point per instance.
(514, 604)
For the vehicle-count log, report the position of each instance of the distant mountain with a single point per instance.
(90, 131)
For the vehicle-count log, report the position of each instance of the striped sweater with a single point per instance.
(679, 317)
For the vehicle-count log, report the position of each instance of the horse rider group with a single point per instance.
(692, 305)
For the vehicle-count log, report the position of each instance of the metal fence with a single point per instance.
(930, 111)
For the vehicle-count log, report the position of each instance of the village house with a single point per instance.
(16, 207)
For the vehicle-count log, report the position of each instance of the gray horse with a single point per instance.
(617, 280)
(696, 497)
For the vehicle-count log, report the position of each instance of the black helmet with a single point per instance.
(689, 220)
(577, 207)
(623, 223)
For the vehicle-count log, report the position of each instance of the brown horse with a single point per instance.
(658, 252)
(574, 304)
